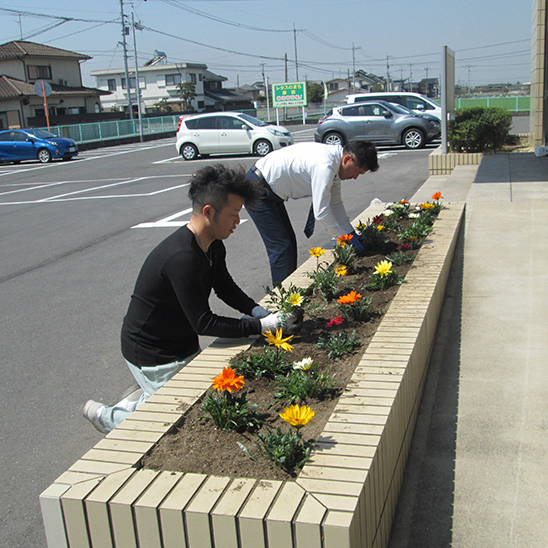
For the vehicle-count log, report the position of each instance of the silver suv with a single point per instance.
(228, 133)
(380, 122)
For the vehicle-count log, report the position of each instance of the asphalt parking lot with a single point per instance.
(74, 235)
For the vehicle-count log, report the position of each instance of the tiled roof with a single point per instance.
(11, 88)
(20, 48)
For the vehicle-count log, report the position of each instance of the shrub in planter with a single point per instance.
(480, 129)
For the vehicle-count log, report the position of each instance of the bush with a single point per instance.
(480, 129)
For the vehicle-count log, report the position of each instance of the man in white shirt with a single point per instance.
(298, 171)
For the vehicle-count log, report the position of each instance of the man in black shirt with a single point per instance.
(170, 304)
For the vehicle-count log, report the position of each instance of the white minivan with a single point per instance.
(413, 101)
(228, 133)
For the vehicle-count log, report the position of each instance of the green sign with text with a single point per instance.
(289, 95)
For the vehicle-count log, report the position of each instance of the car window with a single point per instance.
(207, 122)
(351, 111)
(414, 103)
(18, 136)
(5, 136)
(228, 122)
(190, 124)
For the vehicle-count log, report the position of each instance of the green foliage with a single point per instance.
(231, 412)
(400, 257)
(337, 345)
(371, 237)
(299, 386)
(284, 300)
(314, 92)
(379, 282)
(269, 363)
(287, 451)
(400, 210)
(344, 254)
(325, 281)
(187, 92)
(480, 129)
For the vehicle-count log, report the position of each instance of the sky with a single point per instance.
(323, 39)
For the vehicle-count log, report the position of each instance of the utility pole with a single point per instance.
(296, 62)
(137, 26)
(354, 67)
(388, 86)
(266, 92)
(125, 32)
(286, 74)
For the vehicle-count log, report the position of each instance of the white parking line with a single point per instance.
(168, 222)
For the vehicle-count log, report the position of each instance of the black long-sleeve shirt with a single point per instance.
(170, 304)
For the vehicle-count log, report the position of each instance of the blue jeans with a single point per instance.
(150, 379)
(272, 222)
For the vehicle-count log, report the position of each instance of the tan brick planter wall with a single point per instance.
(345, 496)
(443, 164)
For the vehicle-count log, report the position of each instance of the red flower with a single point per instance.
(378, 219)
(335, 321)
(404, 247)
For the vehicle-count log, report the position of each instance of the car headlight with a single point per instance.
(275, 132)
(435, 123)
(54, 143)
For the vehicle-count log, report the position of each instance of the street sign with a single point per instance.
(42, 88)
(289, 95)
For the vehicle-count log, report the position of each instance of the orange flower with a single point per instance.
(351, 298)
(341, 240)
(228, 380)
(437, 196)
(404, 202)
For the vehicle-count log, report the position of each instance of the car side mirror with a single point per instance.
(245, 127)
(387, 114)
(421, 106)
(31, 139)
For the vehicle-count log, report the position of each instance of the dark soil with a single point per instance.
(198, 446)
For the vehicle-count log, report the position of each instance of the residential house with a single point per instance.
(22, 64)
(158, 85)
(339, 88)
(219, 98)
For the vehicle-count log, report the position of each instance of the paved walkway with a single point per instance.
(477, 473)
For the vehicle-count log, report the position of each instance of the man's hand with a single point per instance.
(355, 241)
(288, 321)
(260, 312)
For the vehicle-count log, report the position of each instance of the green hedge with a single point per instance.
(480, 129)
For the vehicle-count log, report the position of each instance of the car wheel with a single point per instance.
(333, 138)
(44, 155)
(189, 151)
(413, 138)
(262, 147)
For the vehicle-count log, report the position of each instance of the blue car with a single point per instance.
(34, 144)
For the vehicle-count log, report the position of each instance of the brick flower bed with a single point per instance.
(344, 497)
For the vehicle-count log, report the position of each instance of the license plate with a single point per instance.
(72, 149)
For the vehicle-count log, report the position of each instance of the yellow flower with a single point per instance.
(361, 227)
(298, 416)
(383, 268)
(341, 270)
(317, 252)
(296, 299)
(411, 238)
(277, 340)
(228, 380)
(303, 365)
(426, 205)
(380, 227)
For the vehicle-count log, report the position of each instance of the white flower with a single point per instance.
(414, 215)
(303, 365)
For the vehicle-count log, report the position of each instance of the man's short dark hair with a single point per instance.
(212, 185)
(364, 152)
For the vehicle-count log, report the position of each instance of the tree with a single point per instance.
(315, 92)
(187, 92)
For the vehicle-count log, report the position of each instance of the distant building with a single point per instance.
(363, 82)
(158, 86)
(22, 63)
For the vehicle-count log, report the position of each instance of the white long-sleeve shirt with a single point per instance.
(309, 169)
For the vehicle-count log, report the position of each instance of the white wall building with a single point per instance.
(157, 82)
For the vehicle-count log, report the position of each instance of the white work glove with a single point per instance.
(260, 312)
(290, 321)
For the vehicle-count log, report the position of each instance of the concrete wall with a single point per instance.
(539, 112)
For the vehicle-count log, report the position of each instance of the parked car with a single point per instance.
(414, 101)
(227, 133)
(34, 144)
(378, 121)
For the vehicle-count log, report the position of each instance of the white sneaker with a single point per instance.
(91, 412)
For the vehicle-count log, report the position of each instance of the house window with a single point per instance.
(39, 71)
(111, 84)
(200, 77)
(192, 77)
(173, 79)
(131, 83)
(333, 86)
